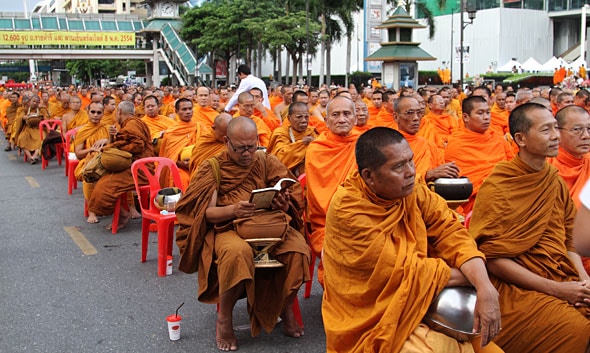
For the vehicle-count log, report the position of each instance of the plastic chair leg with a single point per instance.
(163, 240)
(145, 233)
(85, 209)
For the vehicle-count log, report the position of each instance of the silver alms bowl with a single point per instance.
(452, 313)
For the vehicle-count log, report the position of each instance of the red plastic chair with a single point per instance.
(149, 212)
(45, 126)
(303, 180)
(71, 160)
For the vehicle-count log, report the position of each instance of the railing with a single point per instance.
(179, 56)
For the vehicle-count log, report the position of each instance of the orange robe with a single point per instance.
(444, 124)
(206, 115)
(263, 130)
(527, 216)
(274, 101)
(381, 272)
(373, 113)
(385, 118)
(178, 136)
(87, 135)
(270, 119)
(575, 172)
(79, 119)
(316, 123)
(426, 154)
(329, 159)
(213, 253)
(286, 144)
(428, 131)
(361, 129)
(134, 137)
(168, 100)
(109, 119)
(85, 101)
(476, 155)
(58, 111)
(499, 120)
(206, 146)
(157, 125)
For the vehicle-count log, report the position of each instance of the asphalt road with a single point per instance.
(54, 298)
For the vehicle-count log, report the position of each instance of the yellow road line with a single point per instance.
(32, 182)
(80, 240)
(12, 157)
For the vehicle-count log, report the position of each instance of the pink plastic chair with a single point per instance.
(45, 126)
(149, 212)
(71, 161)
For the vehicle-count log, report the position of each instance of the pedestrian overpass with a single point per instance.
(99, 36)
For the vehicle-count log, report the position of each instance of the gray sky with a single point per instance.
(17, 5)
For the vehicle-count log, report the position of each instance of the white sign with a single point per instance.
(465, 54)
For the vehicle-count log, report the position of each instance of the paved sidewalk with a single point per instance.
(57, 299)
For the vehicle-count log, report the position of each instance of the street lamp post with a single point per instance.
(583, 33)
(468, 6)
(308, 56)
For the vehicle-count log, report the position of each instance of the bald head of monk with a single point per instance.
(246, 104)
(341, 117)
(125, 110)
(408, 114)
(184, 109)
(242, 140)
(386, 163)
(534, 130)
(574, 128)
(203, 96)
(500, 100)
(220, 126)
(476, 114)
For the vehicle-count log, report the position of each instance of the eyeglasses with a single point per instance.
(414, 112)
(578, 130)
(242, 149)
(97, 112)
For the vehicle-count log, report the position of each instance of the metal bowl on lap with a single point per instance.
(452, 188)
(452, 313)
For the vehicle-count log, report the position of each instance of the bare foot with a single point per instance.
(225, 337)
(134, 213)
(92, 218)
(290, 326)
(123, 219)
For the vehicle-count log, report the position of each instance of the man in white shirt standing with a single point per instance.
(247, 82)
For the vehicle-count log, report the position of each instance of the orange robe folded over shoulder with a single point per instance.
(476, 155)
(206, 146)
(178, 136)
(386, 241)
(527, 216)
(426, 154)
(287, 145)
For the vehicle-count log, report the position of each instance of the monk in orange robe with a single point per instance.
(263, 112)
(11, 110)
(289, 143)
(75, 117)
(444, 124)
(428, 158)
(202, 111)
(522, 222)
(385, 115)
(246, 104)
(210, 142)
(26, 127)
(158, 124)
(168, 98)
(573, 160)
(276, 98)
(319, 113)
(362, 117)
(475, 148)
(90, 139)
(499, 115)
(84, 99)
(133, 137)
(375, 106)
(210, 245)
(109, 116)
(328, 161)
(178, 141)
(382, 273)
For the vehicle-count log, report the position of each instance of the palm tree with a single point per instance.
(422, 8)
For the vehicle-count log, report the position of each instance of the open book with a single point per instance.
(262, 198)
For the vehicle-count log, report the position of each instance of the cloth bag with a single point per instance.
(93, 170)
(115, 160)
(263, 224)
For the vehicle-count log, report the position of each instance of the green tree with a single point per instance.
(424, 10)
(290, 31)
